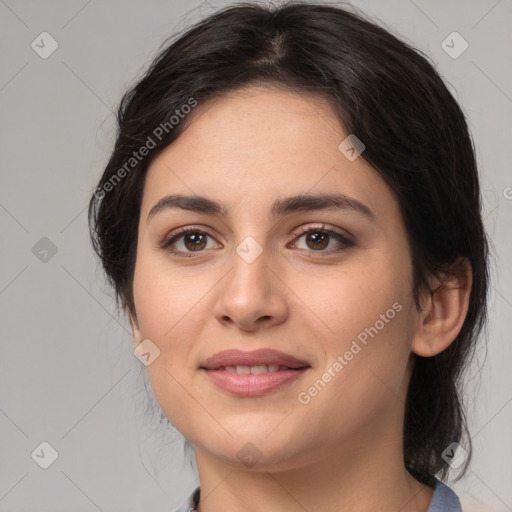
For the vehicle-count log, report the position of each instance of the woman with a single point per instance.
(291, 219)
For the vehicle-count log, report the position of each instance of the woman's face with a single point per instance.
(274, 277)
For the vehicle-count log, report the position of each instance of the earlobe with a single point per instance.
(445, 309)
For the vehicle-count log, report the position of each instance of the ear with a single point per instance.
(134, 324)
(444, 310)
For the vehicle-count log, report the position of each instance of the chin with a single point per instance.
(248, 449)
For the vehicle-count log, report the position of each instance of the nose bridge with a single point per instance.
(250, 272)
(251, 290)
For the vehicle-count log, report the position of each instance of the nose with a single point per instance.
(251, 296)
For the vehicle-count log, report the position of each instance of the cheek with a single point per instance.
(165, 297)
(164, 304)
(365, 312)
(363, 378)
(352, 297)
(167, 306)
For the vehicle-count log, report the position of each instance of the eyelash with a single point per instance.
(168, 241)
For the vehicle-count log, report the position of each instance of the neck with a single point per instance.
(367, 476)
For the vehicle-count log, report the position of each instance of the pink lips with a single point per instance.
(222, 371)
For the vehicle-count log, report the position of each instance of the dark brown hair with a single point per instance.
(386, 93)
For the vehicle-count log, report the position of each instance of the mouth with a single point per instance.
(252, 373)
(257, 369)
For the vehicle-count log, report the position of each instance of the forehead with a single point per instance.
(250, 147)
(261, 121)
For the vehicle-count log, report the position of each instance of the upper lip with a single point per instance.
(236, 357)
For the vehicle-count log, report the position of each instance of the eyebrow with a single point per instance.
(281, 207)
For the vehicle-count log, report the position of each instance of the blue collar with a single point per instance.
(443, 500)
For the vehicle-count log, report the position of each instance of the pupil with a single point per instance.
(196, 239)
(318, 237)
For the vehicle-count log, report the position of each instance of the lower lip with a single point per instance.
(253, 384)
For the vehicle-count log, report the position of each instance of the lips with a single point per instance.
(252, 373)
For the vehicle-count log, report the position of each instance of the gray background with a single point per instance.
(67, 374)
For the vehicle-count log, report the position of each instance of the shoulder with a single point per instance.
(190, 504)
(444, 499)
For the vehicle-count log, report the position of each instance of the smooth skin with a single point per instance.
(304, 295)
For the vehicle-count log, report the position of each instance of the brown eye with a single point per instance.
(194, 241)
(317, 240)
(186, 241)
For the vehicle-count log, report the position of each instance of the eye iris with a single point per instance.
(198, 241)
(321, 238)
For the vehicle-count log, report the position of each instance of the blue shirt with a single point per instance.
(443, 500)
